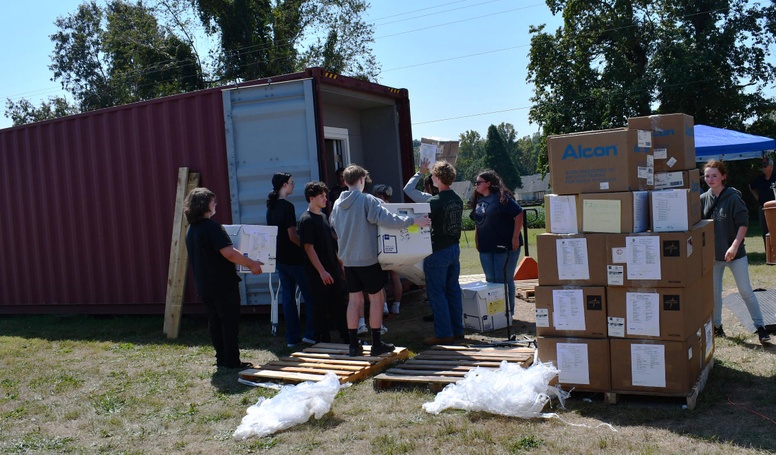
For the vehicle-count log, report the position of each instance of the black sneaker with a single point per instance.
(429, 318)
(719, 332)
(381, 348)
(356, 351)
(763, 334)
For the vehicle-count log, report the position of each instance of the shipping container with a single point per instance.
(89, 199)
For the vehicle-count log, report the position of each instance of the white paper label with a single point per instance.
(563, 214)
(572, 259)
(671, 162)
(644, 138)
(542, 317)
(648, 365)
(642, 255)
(660, 153)
(603, 186)
(615, 275)
(616, 327)
(642, 314)
(573, 363)
(568, 309)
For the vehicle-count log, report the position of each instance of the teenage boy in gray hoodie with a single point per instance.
(355, 218)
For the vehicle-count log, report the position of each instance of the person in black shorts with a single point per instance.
(355, 218)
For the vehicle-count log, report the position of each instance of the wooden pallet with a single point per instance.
(314, 362)
(442, 365)
(692, 398)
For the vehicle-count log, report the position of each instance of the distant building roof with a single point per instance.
(534, 184)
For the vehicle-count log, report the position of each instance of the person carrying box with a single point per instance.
(355, 217)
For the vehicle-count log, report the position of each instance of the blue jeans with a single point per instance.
(292, 276)
(442, 270)
(493, 266)
(740, 269)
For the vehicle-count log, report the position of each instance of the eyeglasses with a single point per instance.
(480, 181)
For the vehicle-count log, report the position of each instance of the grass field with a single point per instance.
(116, 385)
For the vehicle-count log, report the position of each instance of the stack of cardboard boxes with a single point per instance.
(624, 301)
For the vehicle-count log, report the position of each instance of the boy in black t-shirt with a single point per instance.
(213, 258)
(322, 266)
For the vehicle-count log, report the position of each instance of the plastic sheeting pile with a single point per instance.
(294, 404)
(511, 391)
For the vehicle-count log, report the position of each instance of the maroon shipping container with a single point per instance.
(89, 199)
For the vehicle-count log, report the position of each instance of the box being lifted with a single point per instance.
(255, 241)
(397, 248)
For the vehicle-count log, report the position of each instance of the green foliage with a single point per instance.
(521, 154)
(497, 158)
(260, 39)
(112, 55)
(612, 60)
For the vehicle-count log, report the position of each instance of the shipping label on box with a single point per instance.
(615, 212)
(677, 179)
(404, 247)
(562, 214)
(484, 306)
(583, 362)
(675, 210)
(255, 241)
(601, 161)
(673, 140)
(570, 311)
(572, 259)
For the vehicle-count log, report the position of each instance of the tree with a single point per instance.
(112, 55)
(496, 157)
(266, 38)
(612, 60)
(470, 155)
(24, 112)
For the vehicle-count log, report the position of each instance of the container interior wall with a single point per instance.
(380, 138)
(89, 203)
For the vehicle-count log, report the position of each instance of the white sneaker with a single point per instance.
(362, 329)
(308, 341)
(383, 329)
(395, 307)
(385, 308)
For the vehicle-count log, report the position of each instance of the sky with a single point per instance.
(463, 61)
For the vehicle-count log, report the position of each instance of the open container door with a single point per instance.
(269, 128)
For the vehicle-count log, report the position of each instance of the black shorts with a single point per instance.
(370, 279)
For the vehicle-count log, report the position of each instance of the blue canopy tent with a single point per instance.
(728, 145)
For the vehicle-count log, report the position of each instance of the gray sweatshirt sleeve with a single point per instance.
(381, 216)
(410, 189)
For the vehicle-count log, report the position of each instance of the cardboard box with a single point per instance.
(673, 139)
(398, 248)
(571, 311)
(658, 313)
(572, 259)
(615, 212)
(257, 242)
(414, 273)
(656, 366)
(483, 306)
(674, 210)
(661, 259)
(440, 150)
(583, 362)
(601, 161)
(562, 214)
(770, 250)
(705, 228)
(677, 179)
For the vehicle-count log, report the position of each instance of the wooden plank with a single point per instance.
(314, 362)
(176, 276)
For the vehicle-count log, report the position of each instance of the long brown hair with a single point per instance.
(496, 186)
